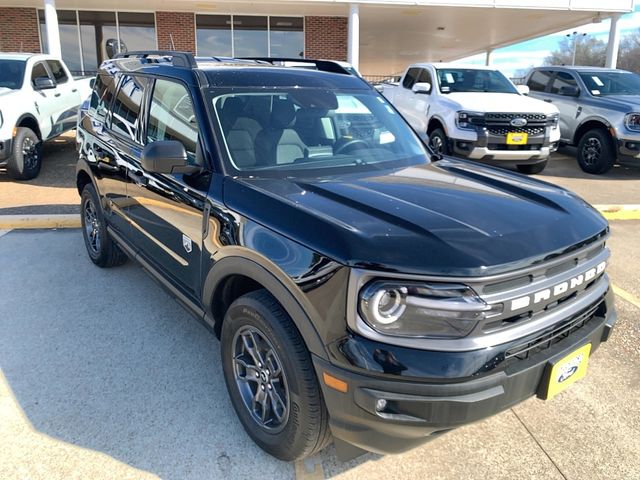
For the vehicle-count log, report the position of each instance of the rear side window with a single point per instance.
(126, 106)
(563, 79)
(171, 116)
(104, 90)
(410, 77)
(539, 80)
(39, 70)
(58, 72)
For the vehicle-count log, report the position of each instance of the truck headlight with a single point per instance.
(1, 119)
(412, 309)
(553, 119)
(632, 121)
(469, 120)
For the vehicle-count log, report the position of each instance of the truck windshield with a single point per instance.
(611, 83)
(452, 80)
(11, 73)
(290, 131)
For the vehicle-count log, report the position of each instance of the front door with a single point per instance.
(569, 106)
(166, 210)
(46, 101)
(68, 100)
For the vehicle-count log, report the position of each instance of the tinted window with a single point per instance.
(39, 70)
(58, 71)
(410, 77)
(103, 91)
(11, 73)
(612, 82)
(126, 106)
(538, 80)
(171, 116)
(563, 79)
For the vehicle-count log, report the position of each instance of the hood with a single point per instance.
(498, 102)
(446, 218)
(5, 90)
(622, 103)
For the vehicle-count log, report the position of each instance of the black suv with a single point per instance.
(360, 290)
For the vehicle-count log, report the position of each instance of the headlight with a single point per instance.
(1, 120)
(434, 310)
(553, 119)
(632, 121)
(468, 120)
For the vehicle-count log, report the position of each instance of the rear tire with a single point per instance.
(596, 152)
(102, 250)
(271, 380)
(439, 142)
(533, 168)
(26, 158)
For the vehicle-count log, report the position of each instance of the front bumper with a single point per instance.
(419, 409)
(629, 148)
(5, 150)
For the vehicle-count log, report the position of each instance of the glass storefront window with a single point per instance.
(96, 28)
(286, 36)
(250, 36)
(213, 35)
(68, 27)
(137, 30)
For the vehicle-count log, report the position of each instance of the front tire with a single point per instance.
(271, 380)
(26, 158)
(596, 153)
(101, 248)
(439, 142)
(532, 169)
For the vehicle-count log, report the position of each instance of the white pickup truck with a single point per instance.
(39, 100)
(477, 113)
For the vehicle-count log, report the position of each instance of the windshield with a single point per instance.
(11, 73)
(290, 131)
(611, 83)
(472, 80)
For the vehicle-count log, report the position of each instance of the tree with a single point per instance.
(629, 53)
(590, 52)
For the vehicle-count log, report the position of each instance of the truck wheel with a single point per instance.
(438, 142)
(596, 153)
(271, 380)
(532, 168)
(101, 248)
(26, 159)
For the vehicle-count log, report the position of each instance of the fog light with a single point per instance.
(381, 404)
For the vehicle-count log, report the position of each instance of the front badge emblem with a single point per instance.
(186, 243)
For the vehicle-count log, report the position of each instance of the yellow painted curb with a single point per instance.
(619, 212)
(12, 222)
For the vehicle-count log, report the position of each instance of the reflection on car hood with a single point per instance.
(448, 218)
(498, 102)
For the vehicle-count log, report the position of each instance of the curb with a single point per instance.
(26, 222)
(12, 222)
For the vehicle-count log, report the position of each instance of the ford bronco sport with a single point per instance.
(360, 290)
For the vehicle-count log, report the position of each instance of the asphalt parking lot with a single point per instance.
(104, 375)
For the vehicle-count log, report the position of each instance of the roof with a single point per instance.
(452, 65)
(580, 68)
(22, 56)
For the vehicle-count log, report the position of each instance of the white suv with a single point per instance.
(477, 113)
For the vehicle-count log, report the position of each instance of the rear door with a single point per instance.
(69, 99)
(166, 210)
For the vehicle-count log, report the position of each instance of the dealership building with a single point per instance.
(380, 37)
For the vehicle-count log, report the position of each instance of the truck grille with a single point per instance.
(531, 131)
(507, 117)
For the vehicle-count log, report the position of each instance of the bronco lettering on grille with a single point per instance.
(549, 294)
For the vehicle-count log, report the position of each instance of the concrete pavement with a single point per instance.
(106, 376)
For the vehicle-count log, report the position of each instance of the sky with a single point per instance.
(533, 52)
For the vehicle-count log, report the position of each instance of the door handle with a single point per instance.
(548, 100)
(56, 94)
(74, 90)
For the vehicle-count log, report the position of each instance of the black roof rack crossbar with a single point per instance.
(178, 59)
(322, 65)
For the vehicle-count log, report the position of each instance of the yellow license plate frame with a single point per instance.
(517, 138)
(567, 371)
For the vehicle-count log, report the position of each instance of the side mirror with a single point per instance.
(92, 82)
(570, 91)
(522, 89)
(166, 156)
(43, 83)
(421, 87)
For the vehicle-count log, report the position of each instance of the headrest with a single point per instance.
(283, 114)
(231, 110)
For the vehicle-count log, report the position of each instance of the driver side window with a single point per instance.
(38, 71)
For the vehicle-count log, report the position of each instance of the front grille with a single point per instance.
(558, 333)
(507, 117)
(531, 131)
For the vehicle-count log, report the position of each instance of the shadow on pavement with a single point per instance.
(564, 164)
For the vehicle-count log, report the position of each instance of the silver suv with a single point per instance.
(599, 112)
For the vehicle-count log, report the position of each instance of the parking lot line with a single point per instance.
(626, 296)
(619, 212)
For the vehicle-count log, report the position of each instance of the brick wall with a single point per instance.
(180, 25)
(326, 37)
(19, 30)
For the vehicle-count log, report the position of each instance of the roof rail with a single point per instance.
(178, 59)
(322, 65)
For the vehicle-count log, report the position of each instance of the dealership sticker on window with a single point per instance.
(597, 81)
(595, 92)
(445, 89)
(449, 77)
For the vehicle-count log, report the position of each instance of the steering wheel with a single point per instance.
(350, 145)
